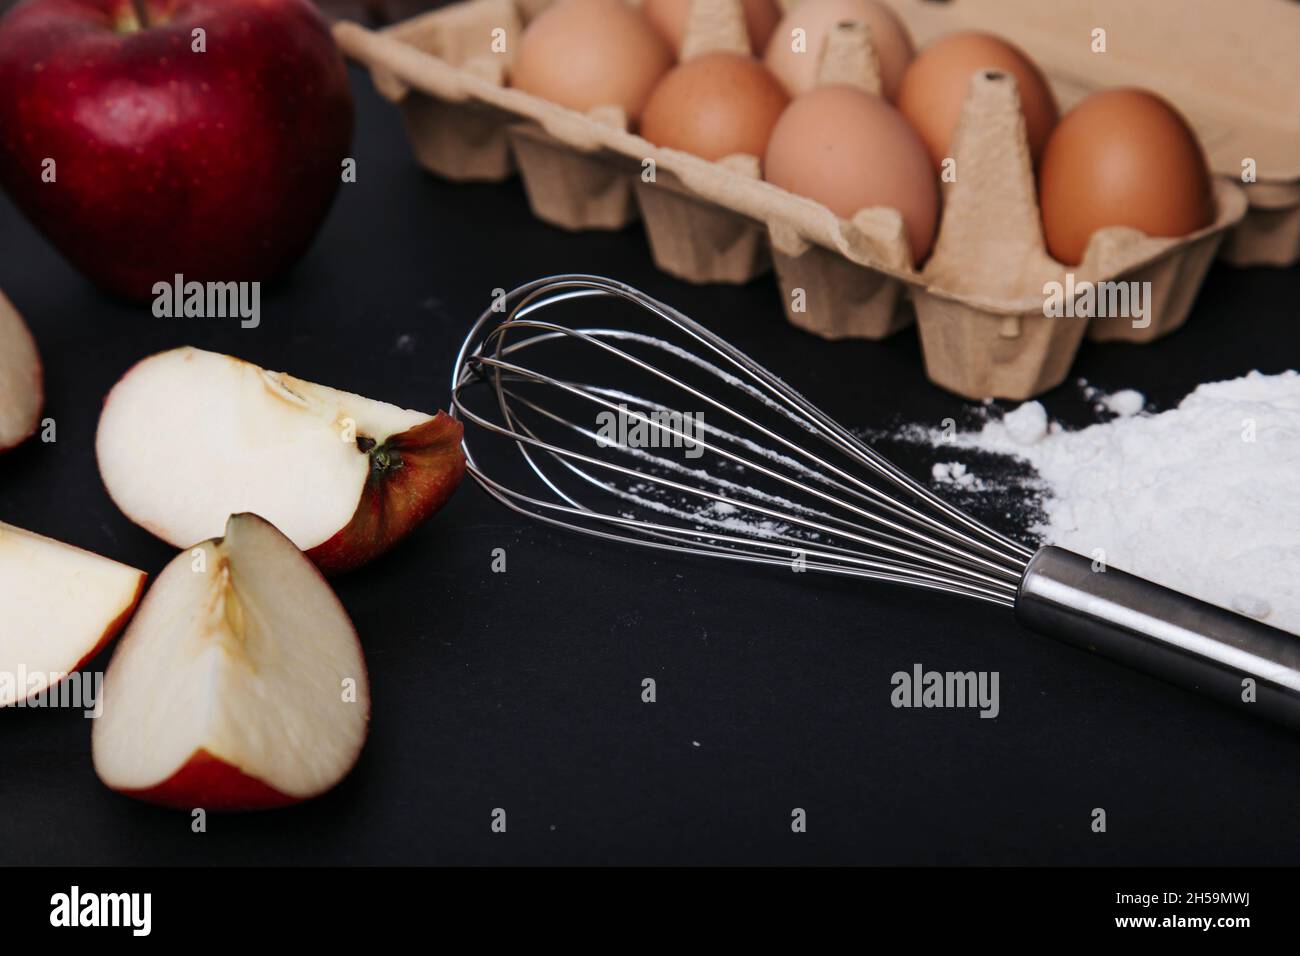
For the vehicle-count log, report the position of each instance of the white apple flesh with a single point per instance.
(21, 388)
(240, 683)
(188, 438)
(58, 606)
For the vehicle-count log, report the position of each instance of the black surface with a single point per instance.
(522, 690)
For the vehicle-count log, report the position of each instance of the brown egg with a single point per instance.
(670, 18)
(850, 150)
(588, 53)
(1121, 158)
(797, 69)
(934, 88)
(715, 105)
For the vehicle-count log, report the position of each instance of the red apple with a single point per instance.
(240, 683)
(219, 165)
(188, 438)
(58, 606)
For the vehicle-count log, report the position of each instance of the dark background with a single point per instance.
(522, 690)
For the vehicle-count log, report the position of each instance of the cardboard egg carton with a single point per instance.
(979, 299)
(987, 280)
(1232, 68)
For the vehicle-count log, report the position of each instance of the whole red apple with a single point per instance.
(207, 140)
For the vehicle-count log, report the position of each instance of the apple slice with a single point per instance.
(240, 684)
(21, 389)
(58, 606)
(188, 438)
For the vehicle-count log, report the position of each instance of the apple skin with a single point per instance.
(114, 628)
(211, 783)
(412, 475)
(219, 165)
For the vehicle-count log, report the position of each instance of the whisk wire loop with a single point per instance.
(745, 492)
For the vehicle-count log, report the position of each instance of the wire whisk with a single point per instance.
(655, 431)
(661, 434)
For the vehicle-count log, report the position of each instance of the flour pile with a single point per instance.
(1204, 498)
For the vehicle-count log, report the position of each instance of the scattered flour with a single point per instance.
(1124, 403)
(1027, 425)
(955, 473)
(1204, 498)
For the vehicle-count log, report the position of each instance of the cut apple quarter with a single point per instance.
(21, 388)
(58, 606)
(240, 683)
(188, 438)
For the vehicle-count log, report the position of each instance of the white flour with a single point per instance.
(1204, 498)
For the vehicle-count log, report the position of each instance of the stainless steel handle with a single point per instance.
(1162, 632)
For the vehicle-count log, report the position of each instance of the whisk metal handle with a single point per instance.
(1163, 632)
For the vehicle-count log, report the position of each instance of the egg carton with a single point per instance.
(979, 299)
(1231, 68)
